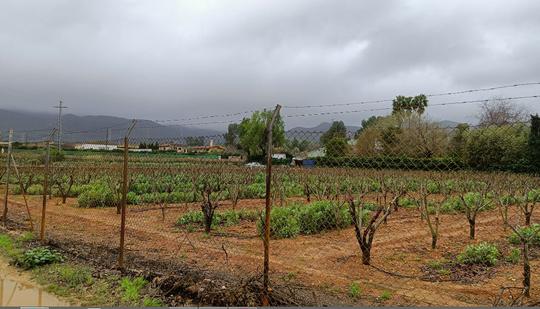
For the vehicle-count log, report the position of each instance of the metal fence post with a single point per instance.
(8, 166)
(269, 148)
(124, 198)
(45, 187)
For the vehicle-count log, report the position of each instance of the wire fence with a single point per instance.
(287, 205)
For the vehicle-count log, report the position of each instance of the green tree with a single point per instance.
(497, 147)
(366, 123)
(296, 146)
(409, 105)
(534, 142)
(336, 130)
(336, 147)
(252, 133)
(231, 137)
(458, 141)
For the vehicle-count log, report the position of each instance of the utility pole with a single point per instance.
(108, 138)
(60, 106)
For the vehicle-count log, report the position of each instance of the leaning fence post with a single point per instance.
(124, 197)
(8, 165)
(269, 148)
(45, 186)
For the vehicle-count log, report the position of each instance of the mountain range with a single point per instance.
(32, 126)
(37, 126)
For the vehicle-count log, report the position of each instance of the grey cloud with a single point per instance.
(175, 59)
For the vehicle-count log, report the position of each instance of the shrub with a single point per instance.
(37, 257)
(284, 223)
(531, 232)
(452, 205)
(97, 195)
(496, 147)
(479, 254)
(308, 219)
(322, 215)
(226, 218)
(35, 189)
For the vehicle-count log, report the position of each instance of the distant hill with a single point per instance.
(314, 133)
(447, 124)
(91, 128)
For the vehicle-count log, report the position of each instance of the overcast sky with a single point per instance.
(177, 59)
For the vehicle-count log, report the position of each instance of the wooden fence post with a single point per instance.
(266, 240)
(124, 197)
(8, 166)
(45, 187)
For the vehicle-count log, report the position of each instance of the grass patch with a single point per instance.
(152, 302)
(385, 295)
(131, 289)
(76, 283)
(354, 290)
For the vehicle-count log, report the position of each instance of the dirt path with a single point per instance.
(329, 261)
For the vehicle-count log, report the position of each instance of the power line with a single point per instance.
(427, 95)
(210, 116)
(389, 108)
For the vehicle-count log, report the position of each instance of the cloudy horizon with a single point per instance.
(181, 59)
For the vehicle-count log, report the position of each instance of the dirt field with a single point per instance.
(328, 262)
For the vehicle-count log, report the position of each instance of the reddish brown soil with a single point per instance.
(329, 261)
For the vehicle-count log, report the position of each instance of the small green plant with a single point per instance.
(531, 232)
(289, 276)
(437, 264)
(513, 256)
(444, 272)
(386, 295)
(480, 254)
(131, 289)
(354, 290)
(152, 302)
(37, 257)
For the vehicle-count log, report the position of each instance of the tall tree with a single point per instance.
(366, 123)
(231, 137)
(252, 133)
(534, 142)
(405, 104)
(500, 112)
(336, 130)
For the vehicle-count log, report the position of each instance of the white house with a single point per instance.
(95, 147)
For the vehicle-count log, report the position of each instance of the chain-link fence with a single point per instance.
(396, 195)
